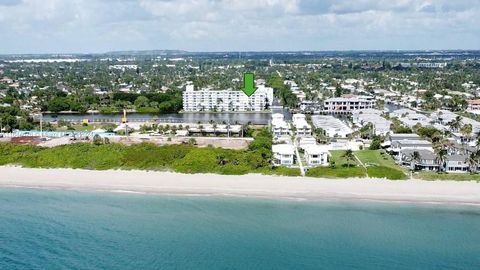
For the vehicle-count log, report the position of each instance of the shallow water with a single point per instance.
(41, 229)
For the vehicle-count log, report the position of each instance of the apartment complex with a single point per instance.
(347, 103)
(424, 65)
(283, 154)
(301, 126)
(226, 100)
(333, 127)
(316, 155)
(280, 128)
(381, 126)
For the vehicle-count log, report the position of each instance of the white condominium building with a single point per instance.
(347, 104)
(381, 125)
(301, 125)
(333, 127)
(280, 128)
(226, 100)
(283, 154)
(316, 155)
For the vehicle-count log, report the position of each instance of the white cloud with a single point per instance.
(92, 25)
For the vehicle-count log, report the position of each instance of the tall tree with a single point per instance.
(349, 156)
(440, 158)
(415, 158)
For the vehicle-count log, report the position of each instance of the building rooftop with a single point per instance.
(283, 149)
(461, 158)
(330, 122)
(424, 154)
(316, 149)
(397, 137)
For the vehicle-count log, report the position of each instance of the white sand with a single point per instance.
(249, 185)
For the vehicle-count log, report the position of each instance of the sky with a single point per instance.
(96, 26)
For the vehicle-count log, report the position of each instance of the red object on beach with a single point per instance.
(26, 140)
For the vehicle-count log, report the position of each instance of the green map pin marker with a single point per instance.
(248, 84)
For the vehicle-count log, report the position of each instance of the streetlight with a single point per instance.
(41, 125)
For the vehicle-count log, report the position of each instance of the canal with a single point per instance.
(256, 118)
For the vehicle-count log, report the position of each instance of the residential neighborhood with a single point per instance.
(315, 111)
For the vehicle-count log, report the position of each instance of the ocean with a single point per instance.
(45, 229)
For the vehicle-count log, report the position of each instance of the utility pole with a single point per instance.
(41, 125)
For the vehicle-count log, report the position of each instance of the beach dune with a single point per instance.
(248, 185)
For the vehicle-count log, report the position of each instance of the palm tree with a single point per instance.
(440, 158)
(456, 123)
(348, 156)
(415, 158)
(473, 161)
(478, 141)
(466, 131)
(443, 143)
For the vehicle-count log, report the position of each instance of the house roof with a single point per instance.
(413, 143)
(397, 137)
(315, 149)
(424, 154)
(462, 158)
(283, 149)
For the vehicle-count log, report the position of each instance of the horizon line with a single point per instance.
(238, 51)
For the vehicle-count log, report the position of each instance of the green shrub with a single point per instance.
(385, 172)
(148, 156)
(338, 172)
(283, 171)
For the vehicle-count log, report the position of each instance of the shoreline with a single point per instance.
(252, 185)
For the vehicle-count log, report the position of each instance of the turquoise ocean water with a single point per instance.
(42, 229)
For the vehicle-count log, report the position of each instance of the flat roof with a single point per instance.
(283, 149)
(315, 149)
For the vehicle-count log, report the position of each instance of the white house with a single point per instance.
(316, 155)
(457, 164)
(280, 128)
(283, 154)
(425, 163)
(301, 125)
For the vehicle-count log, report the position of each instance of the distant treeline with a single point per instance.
(168, 102)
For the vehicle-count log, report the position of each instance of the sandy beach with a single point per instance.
(249, 185)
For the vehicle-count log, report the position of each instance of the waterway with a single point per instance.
(256, 118)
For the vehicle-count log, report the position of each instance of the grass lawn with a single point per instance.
(381, 165)
(386, 172)
(339, 160)
(341, 169)
(337, 172)
(378, 165)
(376, 158)
(284, 171)
(432, 176)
